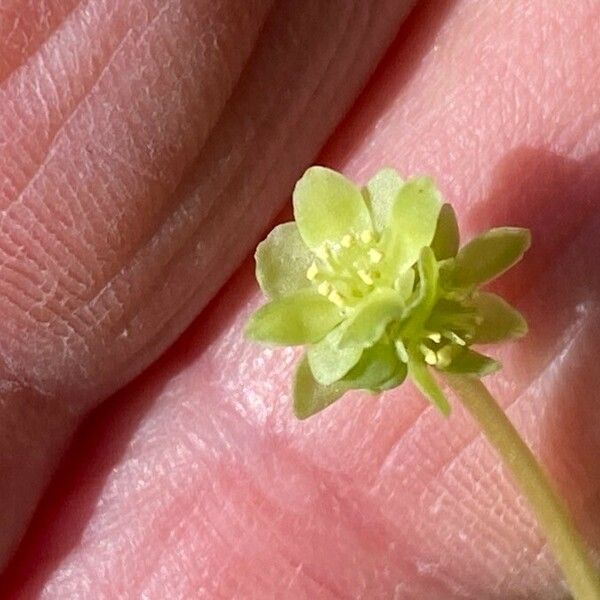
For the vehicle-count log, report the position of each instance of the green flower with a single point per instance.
(373, 283)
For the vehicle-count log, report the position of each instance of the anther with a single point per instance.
(429, 354)
(347, 241)
(435, 337)
(365, 276)
(366, 236)
(444, 357)
(312, 271)
(375, 255)
(324, 288)
(335, 297)
(322, 252)
(455, 338)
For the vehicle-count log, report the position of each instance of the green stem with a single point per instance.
(554, 519)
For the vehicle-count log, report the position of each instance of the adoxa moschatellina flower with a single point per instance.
(374, 284)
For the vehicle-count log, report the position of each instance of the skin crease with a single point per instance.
(129, 133)
(196, 481)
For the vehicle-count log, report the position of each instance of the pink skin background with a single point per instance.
(145, 147)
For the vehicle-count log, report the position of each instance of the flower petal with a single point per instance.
(367, 324)
(327, 361)
(422, 378)
(413, 223)
(488, 255)
(379, 369)
(327, 206)
(380, 193)
(419, 311)
(500, 320)
(379, 366)
(446, 239)
(282, 260)
(468, 362)
(310, 396)
(302, 318)
(405, 283)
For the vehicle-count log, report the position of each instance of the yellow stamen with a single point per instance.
(365, 276)
(456, 339)
(435, 337)
(444, 357)
(430, 355)
(375, 255)
(324, 288)
(347, 241)
(366, 236)
(312, 271)
(322, 252)
(335, 297)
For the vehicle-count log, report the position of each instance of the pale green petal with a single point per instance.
(367, 324)
(469, 362)
(379, 369)
(500, 320)
(282, 260)
(380, 193)
(378, 365)
(413, 223)
(302, 318)
(419, 310)
(310, 396)
(405, 283)
(327, 361)
(446, 239)
(327, 206)
(422, 378)
(489, 255)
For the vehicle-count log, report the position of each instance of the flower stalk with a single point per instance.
(552, 515)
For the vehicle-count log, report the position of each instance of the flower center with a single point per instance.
(348, 270)
(437, 348)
